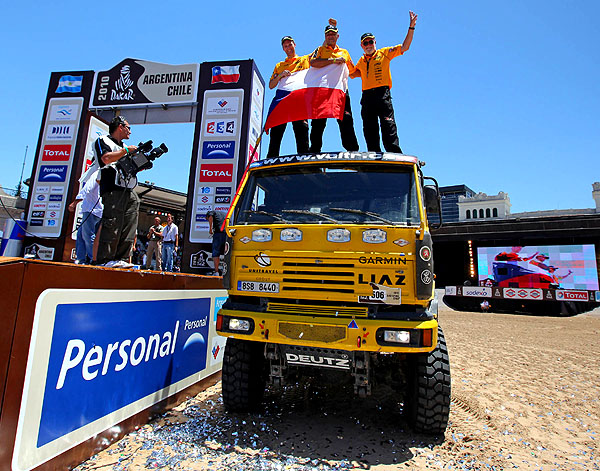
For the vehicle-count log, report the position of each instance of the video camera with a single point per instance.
(141, 159)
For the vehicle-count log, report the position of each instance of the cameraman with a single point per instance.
(121, 204)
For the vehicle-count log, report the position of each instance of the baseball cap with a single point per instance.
(366, 35)
(287, 38)
(330, 29)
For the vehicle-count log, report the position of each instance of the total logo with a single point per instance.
(221, 128)
(56, 153)
(216, 172)
(572, 295)
(63, 132)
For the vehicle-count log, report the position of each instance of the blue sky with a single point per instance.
(500, 96)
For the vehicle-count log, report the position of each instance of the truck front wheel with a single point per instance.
(243, 378)
(427, 400)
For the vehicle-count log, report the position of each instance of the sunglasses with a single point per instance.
(126, 127)
(368, 42)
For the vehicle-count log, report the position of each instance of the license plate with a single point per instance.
(258, 287)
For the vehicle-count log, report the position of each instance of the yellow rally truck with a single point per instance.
(328, 265)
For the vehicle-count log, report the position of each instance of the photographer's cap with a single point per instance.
(287, 38)
(330, 29)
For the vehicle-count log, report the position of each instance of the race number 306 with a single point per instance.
(259, 287)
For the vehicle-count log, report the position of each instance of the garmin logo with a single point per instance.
(115, 356)
(382, 260)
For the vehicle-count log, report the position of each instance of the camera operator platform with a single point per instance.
(121, 204)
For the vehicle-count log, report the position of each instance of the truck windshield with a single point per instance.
(338, 193)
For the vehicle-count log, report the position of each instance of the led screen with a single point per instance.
(538, 266)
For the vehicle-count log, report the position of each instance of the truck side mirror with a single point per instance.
(432, 199)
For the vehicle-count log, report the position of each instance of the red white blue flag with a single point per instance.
(225, 74)
(309, 94)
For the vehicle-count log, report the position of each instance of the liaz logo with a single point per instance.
(393, 280)
(216, 172)
(56, 153)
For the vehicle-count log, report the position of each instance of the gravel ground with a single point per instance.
(525, 395)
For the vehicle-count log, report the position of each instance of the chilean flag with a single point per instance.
(226, 74)
(309, 94)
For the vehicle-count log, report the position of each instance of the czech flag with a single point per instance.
(309, 94)
(225, 74)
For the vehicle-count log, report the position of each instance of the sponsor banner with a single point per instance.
(223, 105)
(55, 206)
(221, 127)
(200, 217)
(60, 132)
(200, 258)
(222, 208)
(223, 190)
(203, 209)
(38, 214)
(598, 296)
(55, 157)
(222, 199)
(206, 190)
(206, 199)
(523, 293)
(56, 153)
(571, 295)
(216, 172)
(450, 290)
(36, 222)
(477, 291)
(38, 251)
(40, 197)
(218, 149)
(201, 226)
(38, 206)
(78, 362)
(53, 173)
(64, 112)
(134, 82)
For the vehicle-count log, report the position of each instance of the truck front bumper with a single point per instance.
(341, 333)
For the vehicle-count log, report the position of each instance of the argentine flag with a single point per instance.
(69, 83)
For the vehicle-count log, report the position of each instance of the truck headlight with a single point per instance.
(396, 336)
(338, 235)
(374, 236)
(242, 325)
(262, 235)
(291, 235)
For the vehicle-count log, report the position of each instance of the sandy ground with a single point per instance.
(525, 395)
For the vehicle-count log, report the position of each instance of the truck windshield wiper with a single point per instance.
(278, 217)
(309, 213)
(365, 213)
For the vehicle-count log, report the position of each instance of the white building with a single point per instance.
(482, 206)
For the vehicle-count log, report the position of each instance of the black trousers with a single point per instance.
(119, 225)
(346, 125)
(300, 131)
(377, 105)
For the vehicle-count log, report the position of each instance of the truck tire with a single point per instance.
(427, 400)
(243, 379)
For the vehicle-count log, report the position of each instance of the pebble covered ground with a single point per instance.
(525, 395)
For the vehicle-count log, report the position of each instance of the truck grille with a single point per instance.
(311, 310)
(325, 277)
(314, 333)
